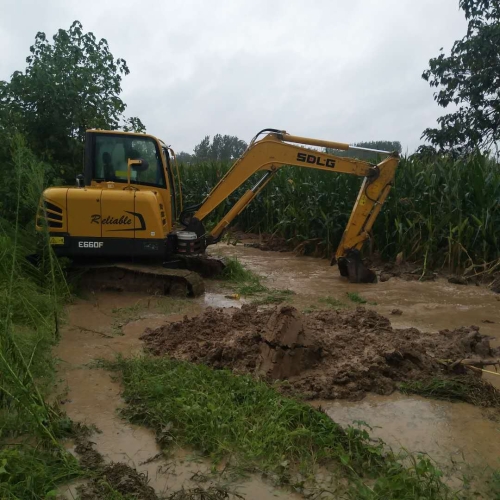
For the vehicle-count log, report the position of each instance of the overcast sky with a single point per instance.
(344, 70)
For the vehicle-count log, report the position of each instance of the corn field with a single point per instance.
(441, 212)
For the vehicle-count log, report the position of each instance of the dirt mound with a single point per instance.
(326, 354)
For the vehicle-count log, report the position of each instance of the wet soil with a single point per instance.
(108, 323)
(100, 326)
(444, 430)
(324, 354)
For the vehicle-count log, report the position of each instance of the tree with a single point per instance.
(202, 150)
(71, 83)
(184, 157)
(469, 78)
(222, 148)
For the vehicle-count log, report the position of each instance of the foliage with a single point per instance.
(184, 157)
(494, 485)
(441, 211)
(244, 281)
(71, 83)
(331, 302)
(469, 79)
(273, 297)
(222, 148)
(470, 389)
(30, 473)
(20, 165)
(247, 423)
(30, 302)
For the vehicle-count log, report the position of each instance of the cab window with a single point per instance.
(112, 153)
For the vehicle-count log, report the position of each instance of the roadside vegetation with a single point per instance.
(32, 460)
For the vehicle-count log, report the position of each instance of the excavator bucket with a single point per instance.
(351, 266)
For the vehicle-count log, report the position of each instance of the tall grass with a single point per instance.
(30, 301)
(441, 212)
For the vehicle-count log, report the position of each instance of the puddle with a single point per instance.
(448, 432)
(212, 299)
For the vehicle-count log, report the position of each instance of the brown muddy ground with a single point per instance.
(100, 326)
(323, 355)
(427, 305)
(449, 432)
(108, 323)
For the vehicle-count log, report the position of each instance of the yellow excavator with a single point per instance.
(126, 213)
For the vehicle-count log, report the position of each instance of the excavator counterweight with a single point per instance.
(127, 206)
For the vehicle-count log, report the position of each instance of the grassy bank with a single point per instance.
(441, 212)
(31, 298)
(254, 428)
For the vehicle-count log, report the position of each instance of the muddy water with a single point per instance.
(429, 305)
(448, 432)
(105, 324)
(102, 326)
(444, 430)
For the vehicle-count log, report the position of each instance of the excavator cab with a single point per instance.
(123, 207)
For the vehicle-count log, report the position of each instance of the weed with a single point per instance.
(237, 418)
(27, 472)
(310, 309)
(469, 389)
(357, 299)
(332, 302)
(235, 272)
(242, 280)
(173, 305)
(273, 297)
(130, 313)
(117, 481)
(494, 485)
(32, 293)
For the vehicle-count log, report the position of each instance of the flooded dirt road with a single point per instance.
(109, 323)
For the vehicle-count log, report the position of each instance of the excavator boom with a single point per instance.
(275, 151)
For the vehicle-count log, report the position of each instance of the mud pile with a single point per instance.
(325, 354)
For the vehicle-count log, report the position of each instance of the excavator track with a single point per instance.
(150, 279)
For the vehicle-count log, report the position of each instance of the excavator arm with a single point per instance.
(275, 151)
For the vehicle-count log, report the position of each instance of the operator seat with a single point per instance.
(109, 171)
